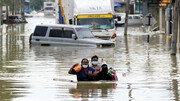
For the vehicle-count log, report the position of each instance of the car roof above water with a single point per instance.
(61, 25)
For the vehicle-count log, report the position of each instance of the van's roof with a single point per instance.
(62, 25)
(135, 15)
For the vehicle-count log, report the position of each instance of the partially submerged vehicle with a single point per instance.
(121, 19)
(13, 19)
(68, 35)
(97, 15)
(48, 9)
(133, 19)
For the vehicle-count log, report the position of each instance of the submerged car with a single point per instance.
(13, 19)
(133, 19)
(68, 35)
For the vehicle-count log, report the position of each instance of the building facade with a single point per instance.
(27, 6)
(123, 3)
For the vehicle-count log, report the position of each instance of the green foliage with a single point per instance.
(5, 2)
(36, 4)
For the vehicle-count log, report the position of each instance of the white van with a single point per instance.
(133, 19)
(60, 34)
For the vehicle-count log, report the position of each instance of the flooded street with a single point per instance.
(146, 71)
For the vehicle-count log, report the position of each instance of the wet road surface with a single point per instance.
(146, 71)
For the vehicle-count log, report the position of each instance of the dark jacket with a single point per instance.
(83, 75)
(104, 76)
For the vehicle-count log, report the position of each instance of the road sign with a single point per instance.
(166, 1)
(162, 5)
(149, 20)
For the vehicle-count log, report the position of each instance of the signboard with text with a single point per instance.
(163, 3)
(95, 16)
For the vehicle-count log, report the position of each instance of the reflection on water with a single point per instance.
(175, 82)
(93, 90)
(146, 71)
(12, 89)
(12, 48)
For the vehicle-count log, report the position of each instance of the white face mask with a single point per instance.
(95, 63)
(85, 66)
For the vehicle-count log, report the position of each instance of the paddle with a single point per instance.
(58, 79)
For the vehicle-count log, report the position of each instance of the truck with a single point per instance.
(48, 8)
(97, 15)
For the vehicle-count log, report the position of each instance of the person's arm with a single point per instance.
(71, 71)
(98, 76)
(110, 77)
(92, 74)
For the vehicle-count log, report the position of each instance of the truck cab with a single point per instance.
(97, 15)
(100, 24)
(48, 9)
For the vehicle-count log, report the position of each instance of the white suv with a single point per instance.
(72, 35)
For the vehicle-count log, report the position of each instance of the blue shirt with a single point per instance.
(83, 75)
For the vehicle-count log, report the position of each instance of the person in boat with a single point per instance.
(94, 61)
(86, 73)
(105, 74)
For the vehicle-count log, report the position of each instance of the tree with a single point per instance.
(126, 19)
(36, 4)
(22, 8)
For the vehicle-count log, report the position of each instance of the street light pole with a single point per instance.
(126, 19)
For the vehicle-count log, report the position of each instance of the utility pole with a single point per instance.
(175, 27)
(13, 9)
(22, 8)
(7, 13)
(0, 13)
(126, 19)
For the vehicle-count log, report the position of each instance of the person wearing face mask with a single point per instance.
(94, 61)
(104, 74)
(86, 73)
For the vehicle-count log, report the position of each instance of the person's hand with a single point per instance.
(102, 60)
(90, 73)
(101, 70)
(75, 65)
(111, 71)
(71, 69)
(95, 73)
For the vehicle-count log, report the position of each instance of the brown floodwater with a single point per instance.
(146, 71)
